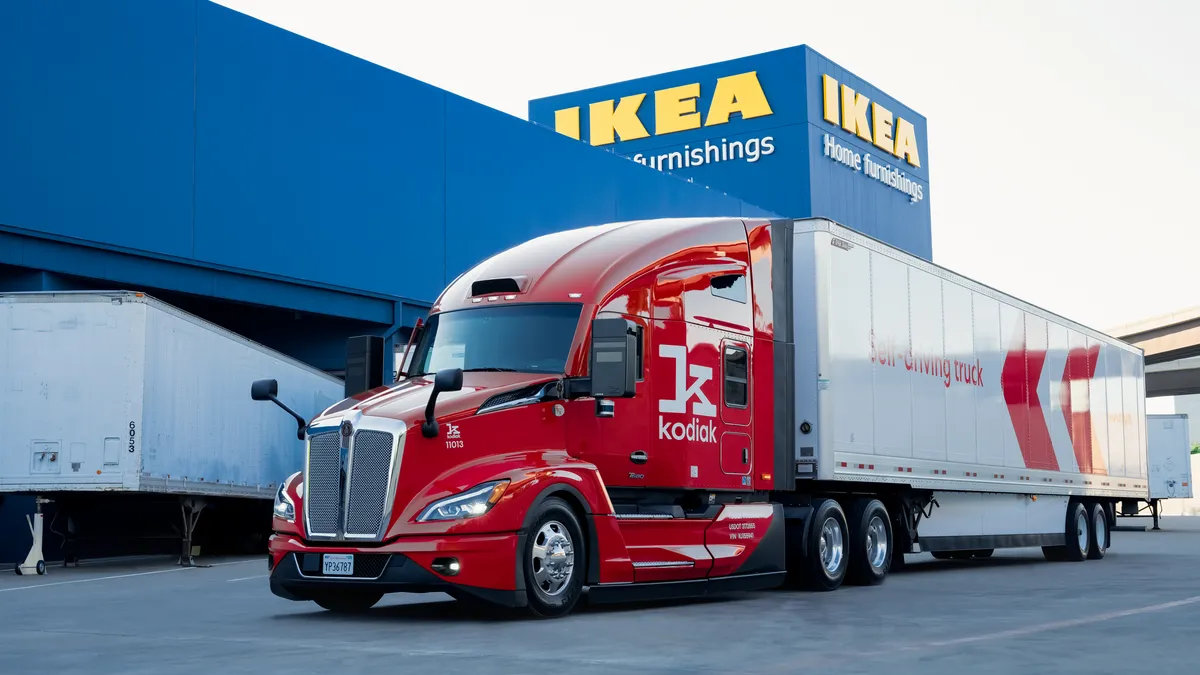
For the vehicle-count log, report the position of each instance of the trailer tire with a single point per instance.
(871, 543)
(827, 562)
(1099, 538)
(555, 545)
(347, 603)
(1078, 532)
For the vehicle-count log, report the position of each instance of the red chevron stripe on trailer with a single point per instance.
(1076, 402)
(1018, 380)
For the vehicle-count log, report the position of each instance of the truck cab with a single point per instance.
(577, 413)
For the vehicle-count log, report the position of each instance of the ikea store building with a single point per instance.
(299, 196)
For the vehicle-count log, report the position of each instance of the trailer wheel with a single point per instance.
(826, 562)
(347, 603)
(870, 543)
(1078, 536)
(552, 561)
(1099, 541)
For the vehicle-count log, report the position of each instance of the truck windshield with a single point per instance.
(533, 338)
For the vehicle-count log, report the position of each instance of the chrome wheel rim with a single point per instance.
(1101, 526)
(877, 542)
(831, 546)
(553, 558)
(1081, 530)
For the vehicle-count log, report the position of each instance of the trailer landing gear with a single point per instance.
(189, 508)
(34, 561)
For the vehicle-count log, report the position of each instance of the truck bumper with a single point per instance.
(486, 568)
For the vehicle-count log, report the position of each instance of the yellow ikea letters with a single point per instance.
(851, 110)
(674, 110)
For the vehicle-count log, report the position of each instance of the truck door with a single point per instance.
(619, 446)
(736, 455)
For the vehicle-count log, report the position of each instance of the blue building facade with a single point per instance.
(182, 148)
(788, 130)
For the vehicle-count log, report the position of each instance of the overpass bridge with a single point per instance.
(1171, 344)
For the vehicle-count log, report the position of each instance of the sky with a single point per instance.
(1064, 137)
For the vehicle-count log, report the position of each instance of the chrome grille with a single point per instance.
(370, 478)
(323, 484)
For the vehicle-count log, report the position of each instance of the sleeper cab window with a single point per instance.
(737, 376)
(730, 286)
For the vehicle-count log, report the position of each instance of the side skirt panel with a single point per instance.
(674, 590)
(972, 542)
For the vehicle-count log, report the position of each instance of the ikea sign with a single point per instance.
(869, 121)
(675, 110)
(896, 136)
(788, 131)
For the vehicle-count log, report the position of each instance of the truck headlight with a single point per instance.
(284, 507)
(474, 502)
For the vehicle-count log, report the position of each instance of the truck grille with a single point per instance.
(323, 484)
(351, 501)
(370, 476)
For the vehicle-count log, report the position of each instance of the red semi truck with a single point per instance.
(677, 407)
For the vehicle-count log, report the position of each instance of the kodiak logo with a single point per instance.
(694, 429)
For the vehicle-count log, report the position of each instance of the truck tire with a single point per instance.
(826, 562)
(870, 549)
(1099, 541)
(553, 560)
(347, 603)
(1078, 531)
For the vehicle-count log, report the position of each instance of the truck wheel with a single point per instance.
(870, 543)
(348, 603)
(553, 556)
(1099, 541)
(827, 561)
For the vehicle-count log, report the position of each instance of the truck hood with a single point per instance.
(406, 401)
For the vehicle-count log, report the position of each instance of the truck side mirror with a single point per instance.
(268, 390)
(613, 358)
(447, 379)
(264, 390)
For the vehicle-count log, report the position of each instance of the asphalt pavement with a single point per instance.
(1136, 611)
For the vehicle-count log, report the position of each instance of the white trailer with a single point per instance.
(1170, 447)
(1169, 450)
(116, 392)
(1014, 421)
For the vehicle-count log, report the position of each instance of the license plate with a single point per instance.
(338, 564)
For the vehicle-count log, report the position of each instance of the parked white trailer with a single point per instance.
(911, 375)
(116, 392)
(1169, 447)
